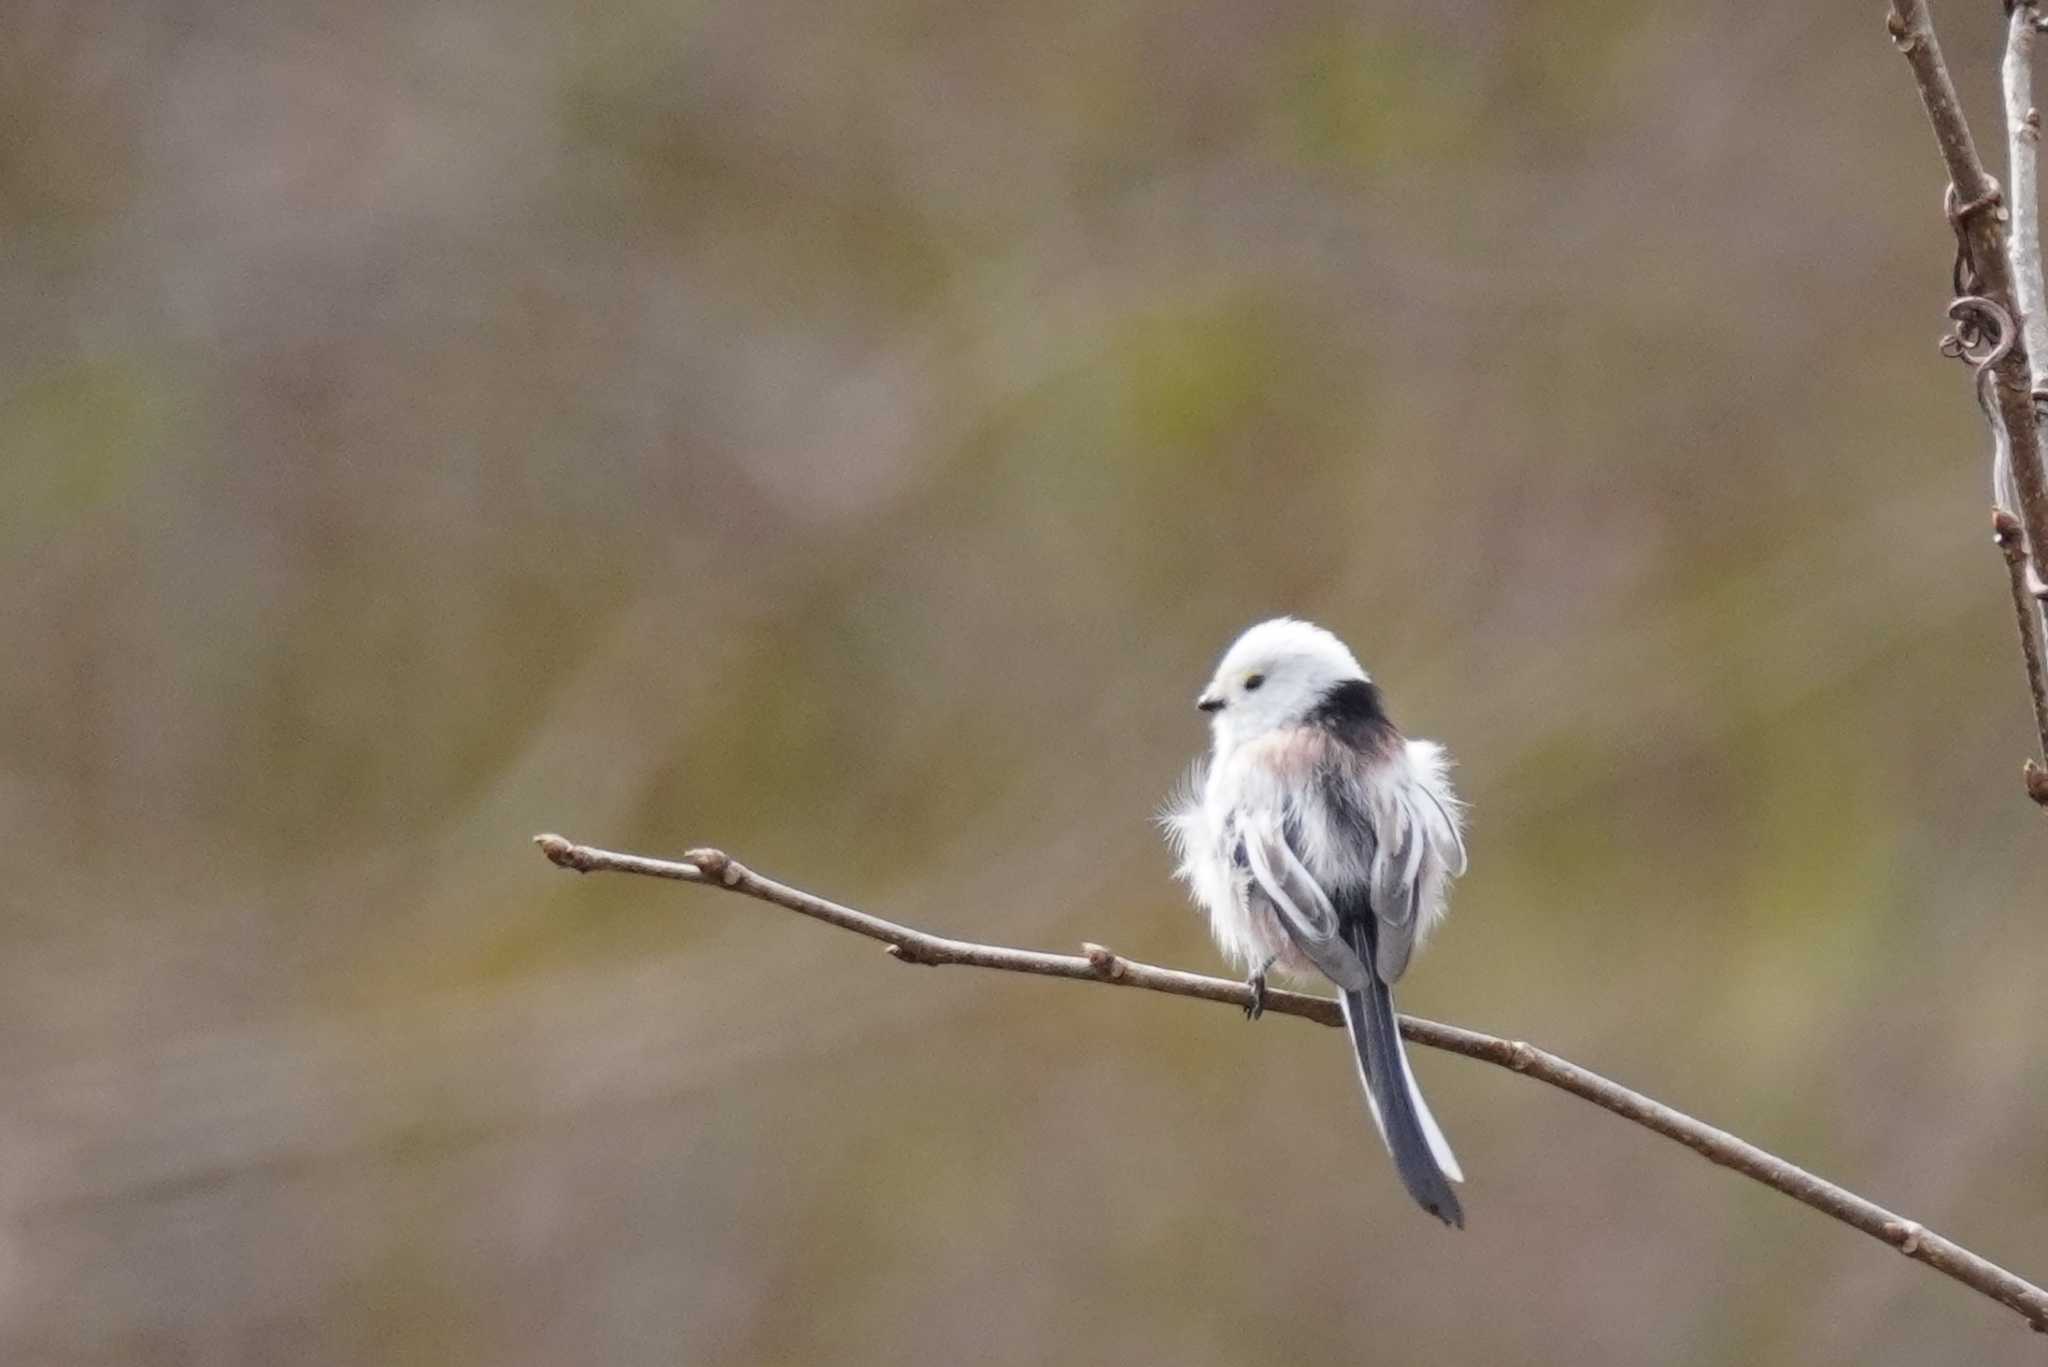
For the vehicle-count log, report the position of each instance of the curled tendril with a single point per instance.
(1984, 336)
(1983, 333)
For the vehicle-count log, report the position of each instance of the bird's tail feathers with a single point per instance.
(1422, 1157)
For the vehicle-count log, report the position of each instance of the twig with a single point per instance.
(2008, 274)
(2023, 157)
(2023, 167)
(1980, 222)
(2005, 528)
(1098, 965)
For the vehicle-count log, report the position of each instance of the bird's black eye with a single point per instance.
(1252, 681)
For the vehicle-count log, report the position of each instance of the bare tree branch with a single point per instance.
(2000, 289)
(2023, 159)
(2012, 544)
(2023, 166)
(1098, 965)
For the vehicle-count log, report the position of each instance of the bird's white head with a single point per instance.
(1274, 675)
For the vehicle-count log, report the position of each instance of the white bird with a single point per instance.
(1320, 840)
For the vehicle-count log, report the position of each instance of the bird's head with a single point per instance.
(1275, 675)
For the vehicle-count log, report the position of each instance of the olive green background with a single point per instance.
(846, 433)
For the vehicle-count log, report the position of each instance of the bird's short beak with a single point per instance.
(1209, 702)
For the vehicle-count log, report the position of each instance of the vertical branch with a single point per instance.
(1977, 208)
(2006, 275)
(2023, 169)
(2023, 163)
(2012, 544)
(2030, 293)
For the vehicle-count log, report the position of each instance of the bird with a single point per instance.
(1321, 841)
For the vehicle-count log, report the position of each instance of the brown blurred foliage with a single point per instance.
(846, 433)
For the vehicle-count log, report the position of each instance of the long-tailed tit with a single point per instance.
(1321, 841)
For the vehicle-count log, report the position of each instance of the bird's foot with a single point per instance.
(1256, 1007)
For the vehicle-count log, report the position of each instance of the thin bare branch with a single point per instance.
(2002, 297)
(2027, 609)
(1099, 965)
(1977, 210)
(2023, 159)
(2023, 169)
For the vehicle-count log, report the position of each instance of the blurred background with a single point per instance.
(847, 434)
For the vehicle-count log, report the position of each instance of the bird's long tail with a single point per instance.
(1422, 1156)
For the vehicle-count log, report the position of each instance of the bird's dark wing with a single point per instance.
(1402, 832)
(1396, 883)
(1282, 882)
